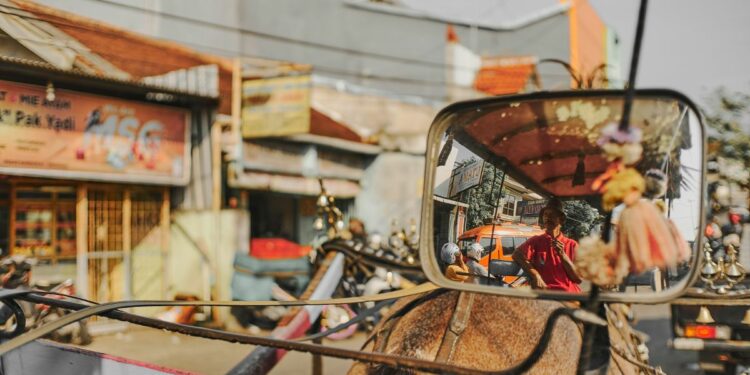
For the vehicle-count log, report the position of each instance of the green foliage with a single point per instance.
(483, 197)
(727, 116)
(582, 218)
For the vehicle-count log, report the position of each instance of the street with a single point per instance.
(251, 150)
(654, 321)
(204, 356)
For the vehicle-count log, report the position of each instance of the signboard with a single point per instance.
(530, 208)
(275, 106)
(465, 177)
(91, 137)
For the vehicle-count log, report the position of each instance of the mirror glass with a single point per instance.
(505, 168)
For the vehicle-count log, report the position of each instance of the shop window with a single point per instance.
(509, 205)
(518, 241)
(508, 246)
(487, 243)
(44, 221)
(146, 214)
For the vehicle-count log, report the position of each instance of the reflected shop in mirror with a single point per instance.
(554, 194)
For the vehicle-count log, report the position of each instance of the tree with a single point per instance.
(483, 197)
(582, 218)
(727, 118)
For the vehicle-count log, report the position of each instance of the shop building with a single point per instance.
(101, 143)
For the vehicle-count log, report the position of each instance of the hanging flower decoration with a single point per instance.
(643, 238)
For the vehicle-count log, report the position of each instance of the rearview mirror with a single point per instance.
(543, 195)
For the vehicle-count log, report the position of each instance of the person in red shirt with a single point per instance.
(548, 258)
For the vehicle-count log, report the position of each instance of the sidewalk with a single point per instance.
(204, 356)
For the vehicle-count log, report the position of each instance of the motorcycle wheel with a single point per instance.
(16, 319)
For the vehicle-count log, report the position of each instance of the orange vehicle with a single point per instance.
(506, 238)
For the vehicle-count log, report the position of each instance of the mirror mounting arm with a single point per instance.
(590, 330)
(630, 93)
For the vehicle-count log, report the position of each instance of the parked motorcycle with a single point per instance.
(77, 334)
(16, 272)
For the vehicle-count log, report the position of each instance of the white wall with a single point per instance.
(391, 189)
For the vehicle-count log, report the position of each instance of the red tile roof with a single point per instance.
(502, 80)
(136, 54)
(143, 56)
(321, 124)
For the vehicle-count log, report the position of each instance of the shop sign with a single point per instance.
(82, 136)
(278, 106)
(530, 208)
(465, 177)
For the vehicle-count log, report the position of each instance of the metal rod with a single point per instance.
(494, 215)
(589, 331)
(387, 359)
(630, 91)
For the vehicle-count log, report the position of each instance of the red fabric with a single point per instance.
(540, 252)
(734, 218)
(277, 248)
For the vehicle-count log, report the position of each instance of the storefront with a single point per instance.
(286, 148)
(85, 183)
(277, 180)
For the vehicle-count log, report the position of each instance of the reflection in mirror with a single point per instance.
(550, 194)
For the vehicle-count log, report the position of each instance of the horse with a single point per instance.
(490, 333)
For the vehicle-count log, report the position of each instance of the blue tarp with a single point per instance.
(249, 283)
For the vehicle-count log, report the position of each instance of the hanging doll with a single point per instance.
(643, 237)
(643, 232)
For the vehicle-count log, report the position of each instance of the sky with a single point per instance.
(692, 46)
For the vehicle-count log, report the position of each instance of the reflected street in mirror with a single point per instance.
(550, 194)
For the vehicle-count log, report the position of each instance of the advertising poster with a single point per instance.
(82, 136)
(273, 107)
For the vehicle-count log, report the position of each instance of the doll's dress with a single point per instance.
(649, 238)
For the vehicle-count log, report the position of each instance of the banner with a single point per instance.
(530, 208)
(82, 136)
(465, 177)
(274, 107)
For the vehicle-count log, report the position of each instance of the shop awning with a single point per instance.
(294, 166)
(292, 184)
(449, 201)
(294, 158)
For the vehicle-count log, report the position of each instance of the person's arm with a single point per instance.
(520, 257)
(455, 273)
(568, 265)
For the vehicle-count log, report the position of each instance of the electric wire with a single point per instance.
(321, 68)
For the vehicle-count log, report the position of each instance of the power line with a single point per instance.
(178, 66)
(321, 68)
(330, 70)
(292, 41)
(280, 38)
(303, 42)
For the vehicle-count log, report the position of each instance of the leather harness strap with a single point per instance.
(456, 326)
(459, 320)
(392, 318)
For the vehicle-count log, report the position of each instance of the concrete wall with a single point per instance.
(295, 30)
(391, 189)
(203, 254)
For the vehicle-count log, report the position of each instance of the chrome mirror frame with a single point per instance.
(427, 246)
